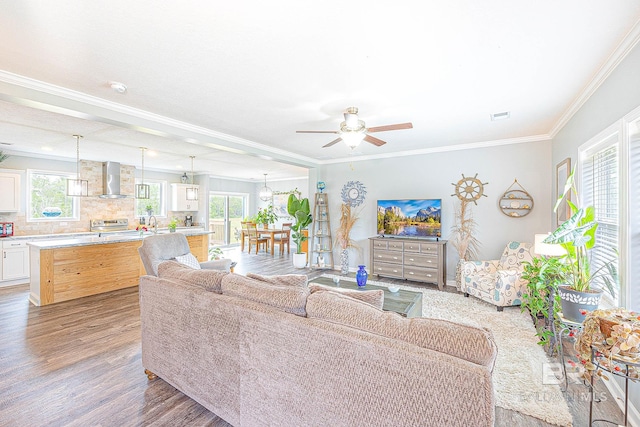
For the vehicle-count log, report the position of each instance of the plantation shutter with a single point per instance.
(600, 188)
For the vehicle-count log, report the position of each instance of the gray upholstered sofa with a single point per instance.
(260, 351)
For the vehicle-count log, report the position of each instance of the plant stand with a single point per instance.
(321, 242)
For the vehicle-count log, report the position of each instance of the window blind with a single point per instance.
(600, 188)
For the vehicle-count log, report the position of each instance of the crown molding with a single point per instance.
(444, 149)
(45, 96)
(617, 56)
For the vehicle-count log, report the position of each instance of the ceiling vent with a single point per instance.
(500, 116)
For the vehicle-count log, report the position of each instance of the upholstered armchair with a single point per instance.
(500, 281)
(163, 247)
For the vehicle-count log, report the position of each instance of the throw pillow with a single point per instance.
(291, 299)
(466, 342)
(282, 279)
(375, 298)
(189, 260)
(210, 280)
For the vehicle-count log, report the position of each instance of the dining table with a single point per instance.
(272, 232)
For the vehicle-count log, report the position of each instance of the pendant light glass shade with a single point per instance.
(77, 187)
(265, 193)
(143, 191)
(192, 192)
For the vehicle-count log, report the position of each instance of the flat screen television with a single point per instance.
(410, 218)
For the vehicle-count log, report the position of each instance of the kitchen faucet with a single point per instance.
(155, 224)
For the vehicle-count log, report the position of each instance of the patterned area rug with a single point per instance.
(518, 374)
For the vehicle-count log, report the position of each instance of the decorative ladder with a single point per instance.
(321, 242)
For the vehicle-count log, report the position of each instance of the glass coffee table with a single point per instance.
(405, 303)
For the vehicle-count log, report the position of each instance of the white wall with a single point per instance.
(431, 176)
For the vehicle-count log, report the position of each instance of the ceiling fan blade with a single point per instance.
(335, 141)
(390, 127)
(374, 140)
(317, 131)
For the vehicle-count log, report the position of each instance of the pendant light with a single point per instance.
(192, 193)
(265, 193)
(142, 190)
(77, 187)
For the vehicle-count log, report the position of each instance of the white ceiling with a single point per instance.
(231, 82)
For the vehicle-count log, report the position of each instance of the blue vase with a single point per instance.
(361, 276)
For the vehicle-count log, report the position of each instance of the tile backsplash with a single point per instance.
(91, 207)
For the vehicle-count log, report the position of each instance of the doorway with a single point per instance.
(226, 211)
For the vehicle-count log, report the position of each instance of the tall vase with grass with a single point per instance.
(577, 236)
(348, 218)
(463, 237)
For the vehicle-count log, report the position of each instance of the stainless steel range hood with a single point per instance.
(111, 181)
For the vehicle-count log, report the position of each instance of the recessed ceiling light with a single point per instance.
(118, 87)
(500, 116)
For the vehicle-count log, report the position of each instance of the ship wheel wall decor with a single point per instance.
(469, 189)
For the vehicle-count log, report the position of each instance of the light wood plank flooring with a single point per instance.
(78, 363)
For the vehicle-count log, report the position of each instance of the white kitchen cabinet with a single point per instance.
(10, 190)
(15, 260)
(179, 200)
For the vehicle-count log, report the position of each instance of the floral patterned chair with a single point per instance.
(498, 281)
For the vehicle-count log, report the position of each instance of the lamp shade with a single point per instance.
(547, 249)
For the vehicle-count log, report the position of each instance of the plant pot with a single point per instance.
(300, 260)
(575, 303)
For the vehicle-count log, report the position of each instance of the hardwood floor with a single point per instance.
(78, 363)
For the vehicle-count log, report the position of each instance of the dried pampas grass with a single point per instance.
(348, 218)
(463, 238)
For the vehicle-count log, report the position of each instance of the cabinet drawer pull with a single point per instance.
(411, 259)
(429, 261)
(395, 271)
(411, 272)
(379, 256)
(395, 257)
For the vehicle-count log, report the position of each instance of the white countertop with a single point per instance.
(82, 239)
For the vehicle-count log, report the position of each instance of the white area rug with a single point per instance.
(518, 373)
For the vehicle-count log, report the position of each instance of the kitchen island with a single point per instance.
(66, 269)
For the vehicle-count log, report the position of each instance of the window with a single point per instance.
(600, 188)
(47, 191)
(157, 199)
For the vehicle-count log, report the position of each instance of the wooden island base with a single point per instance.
(65, 272)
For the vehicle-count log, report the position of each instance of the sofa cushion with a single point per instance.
(466, 342)
(375, 298)
(291, 299)
(211, 280)
(283, 279)
(189, 260)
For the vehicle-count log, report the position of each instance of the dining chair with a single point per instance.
(254, 237)
(284, 238)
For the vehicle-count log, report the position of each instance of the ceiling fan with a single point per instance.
(353, 131)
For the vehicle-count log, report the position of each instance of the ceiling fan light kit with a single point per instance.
(353, 130)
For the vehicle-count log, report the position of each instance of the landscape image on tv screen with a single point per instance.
(409, 218)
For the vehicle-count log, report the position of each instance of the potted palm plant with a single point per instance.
(577, 236)
(301, 212)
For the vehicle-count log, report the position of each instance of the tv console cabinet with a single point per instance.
(419, 260)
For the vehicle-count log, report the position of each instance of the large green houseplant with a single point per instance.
(300, 210)
(577, 236)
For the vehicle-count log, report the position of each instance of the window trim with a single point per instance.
(75, 200)
(164, 196)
